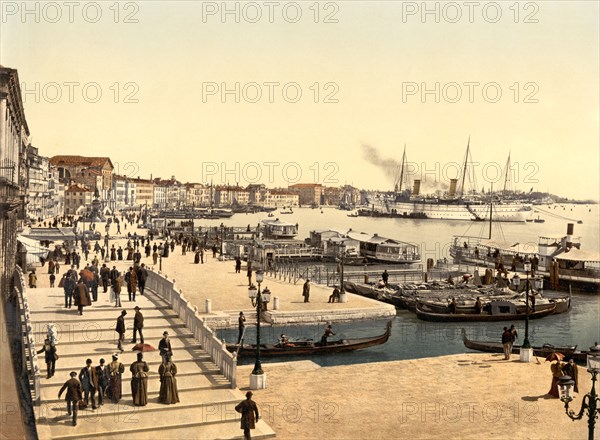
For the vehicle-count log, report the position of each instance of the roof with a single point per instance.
(78, 188)
(306, 185)
(68, 160)
(578, 255)
(377, 239)
(277, 222)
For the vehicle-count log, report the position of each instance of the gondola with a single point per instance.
(543, 351)
(310, 347)
(512, 315)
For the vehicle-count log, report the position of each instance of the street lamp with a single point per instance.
(258, 377)
(343, 252)
(590, 401)
(527, 267)
(222, 235)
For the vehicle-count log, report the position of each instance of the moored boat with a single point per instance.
(543, 351)
(500, 311)
(310, 347)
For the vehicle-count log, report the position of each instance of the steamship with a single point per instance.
(454, 205)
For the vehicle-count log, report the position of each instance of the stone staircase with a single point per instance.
(207, 401)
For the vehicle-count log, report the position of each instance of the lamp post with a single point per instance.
(258, 379)
(222, 239)
(160, 255)
(527, 267)
(342, 290)
(590, 401)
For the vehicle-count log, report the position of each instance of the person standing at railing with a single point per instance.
(241, 327)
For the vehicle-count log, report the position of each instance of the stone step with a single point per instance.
(153, 391)
(105, 350)
(96, 335)
(185, 378)
(104, 326)
(105, 313)
(205, 408)
(226, 430)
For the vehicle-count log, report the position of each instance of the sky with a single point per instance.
(287, 92)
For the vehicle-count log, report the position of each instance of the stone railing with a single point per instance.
(167, 290)
(25, 333)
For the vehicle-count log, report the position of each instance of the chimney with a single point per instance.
(416, 187)
(570, 230)
(452, 190)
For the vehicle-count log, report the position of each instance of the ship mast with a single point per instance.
(507, 174)
(462, 183)
(491, 205)
(400, 181)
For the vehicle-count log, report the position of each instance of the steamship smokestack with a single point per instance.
(416, 187)
(570, 230)
(452, 190)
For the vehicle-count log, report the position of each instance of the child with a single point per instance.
(52, 279)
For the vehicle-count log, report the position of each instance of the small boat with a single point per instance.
(353, 214)
(539, 220)
(543, 351)
(506, 312)
(529, 220)
(310, 347)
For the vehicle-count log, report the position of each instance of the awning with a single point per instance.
(578, 255)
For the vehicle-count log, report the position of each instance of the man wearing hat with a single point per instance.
(138, 325)
(164, 346)
(249, 412)
(89, 382)
(103, 374)
(120, 329)
(73, 395)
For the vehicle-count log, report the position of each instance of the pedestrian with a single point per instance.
(241, 327)
(306, 290)
(154, 258)
(116, 370)
(385, 277)
(249, 273)
(164, 346)
(238, 264)
(32, 279)
(570, 369)
(94, 285)
(116, 288)
(201, 255)
(89, 383)
(82, 296)
(138, 325)
(250, 415)
(105, 277)
(57, 268)
(52, 279)
(103, 374)
(69, 288)
(142, 276)
(506, 341)
(557, 373)
(120, 329)
(328, 332)
(131, 280)
(50, 356)
(513, 337)
(139, 381)
(335, 295)
(197, 257)
(73, 395)
(168, 383)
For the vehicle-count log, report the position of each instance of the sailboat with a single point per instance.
(456, 204)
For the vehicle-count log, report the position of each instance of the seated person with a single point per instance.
(284, 341)
(380, 284)
(478, 306)
(335, 295)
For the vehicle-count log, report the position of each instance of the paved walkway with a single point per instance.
(206, 400)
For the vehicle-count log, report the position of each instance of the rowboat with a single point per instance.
(500, 311)
(310, 347)
(543, 351)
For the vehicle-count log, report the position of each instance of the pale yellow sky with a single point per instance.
(370, 61)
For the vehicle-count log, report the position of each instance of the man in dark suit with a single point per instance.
(103, 374)
(164, 347)
(73, 395)
(249, 412)
(105, 276)
(120, 329)
(142, 275)
(89, 382)
(138, 325)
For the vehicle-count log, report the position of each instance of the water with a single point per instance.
(412, 338)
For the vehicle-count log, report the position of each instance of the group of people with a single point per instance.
(106, 381)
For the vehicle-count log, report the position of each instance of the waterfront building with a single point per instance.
(279, 198)
(197, 194)
(144, 192)
(309, 193)
(231, 196)
(76, 198)
(38, 200)
(88, 171)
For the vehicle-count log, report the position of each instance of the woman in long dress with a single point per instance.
(139, 381)
(168, 383)
(557, 372)
(116, 369)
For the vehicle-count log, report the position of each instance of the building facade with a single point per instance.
(309, 193)
(88, 171)
(76, 197)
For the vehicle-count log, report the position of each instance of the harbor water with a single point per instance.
(412, 338)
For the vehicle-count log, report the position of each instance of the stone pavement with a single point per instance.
(206, 403)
